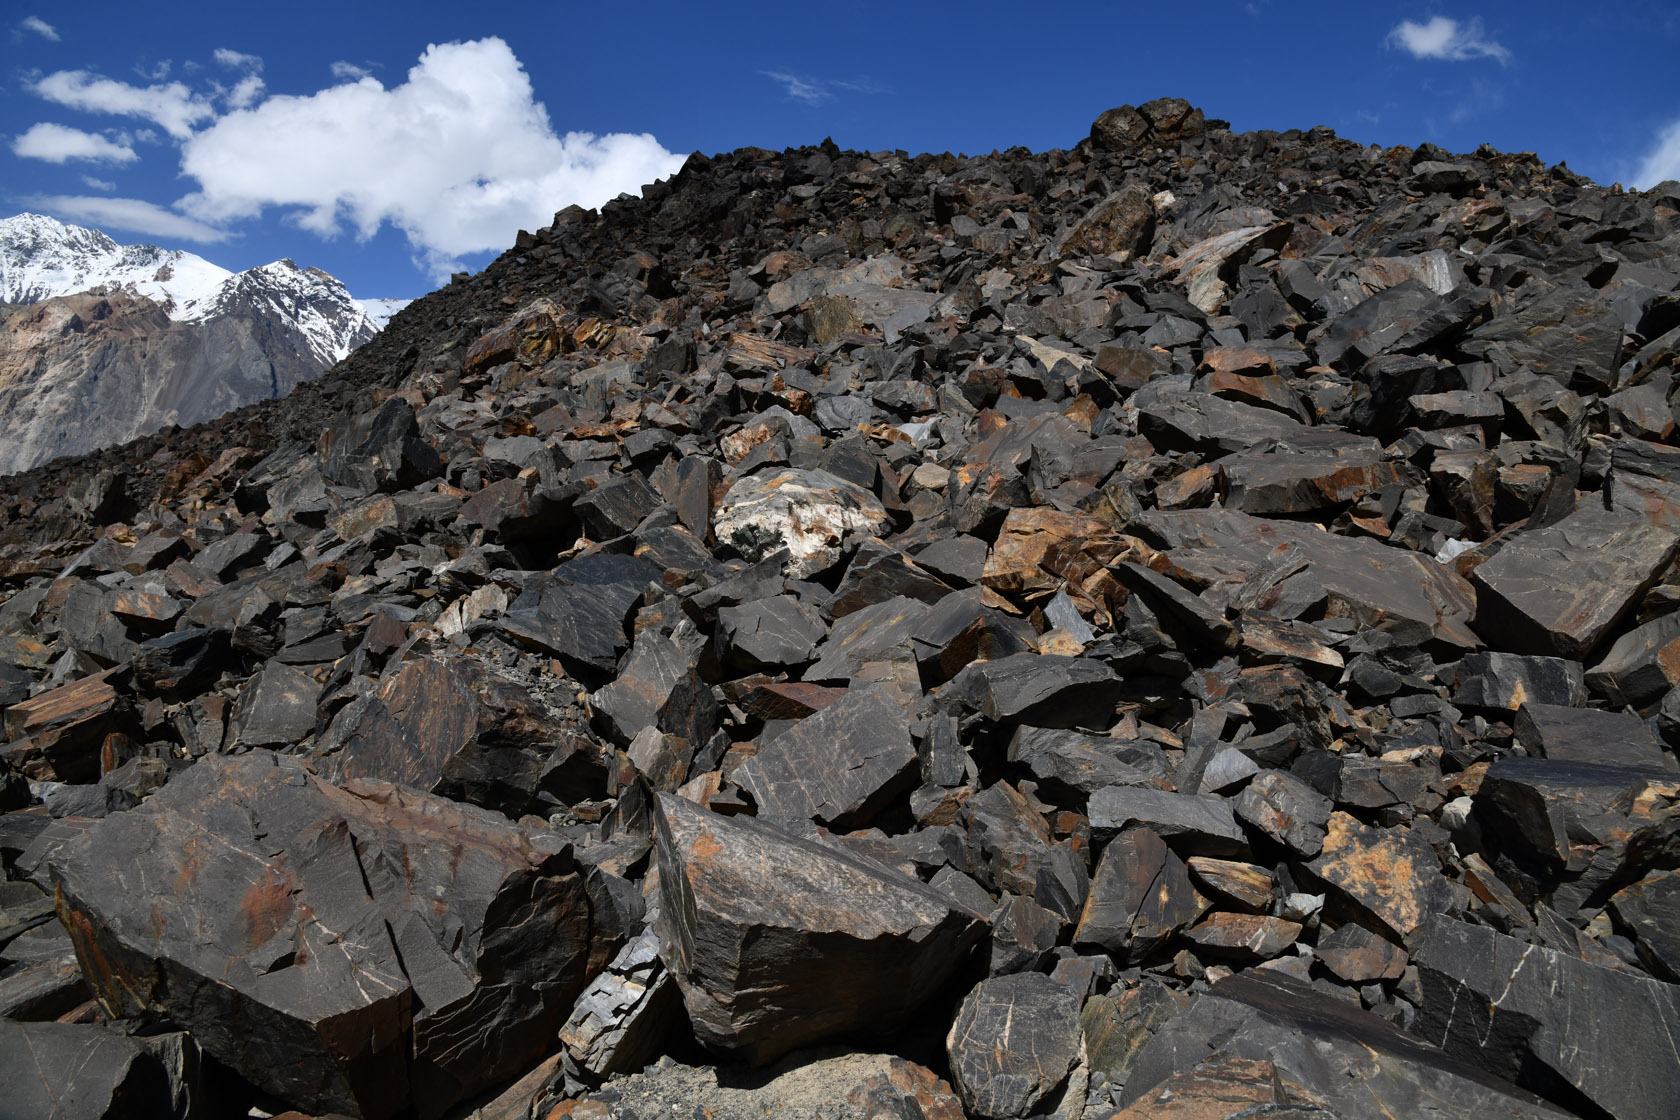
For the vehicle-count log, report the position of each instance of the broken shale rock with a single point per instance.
(779, 942)
(1013, 1042)
(363, 949)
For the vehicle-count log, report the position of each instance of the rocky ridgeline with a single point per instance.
(1183, 627)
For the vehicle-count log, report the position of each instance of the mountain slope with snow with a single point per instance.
(114, 341)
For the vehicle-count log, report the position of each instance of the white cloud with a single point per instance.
(55, 143)
(1447, 40)
(245, 93)
(99, 184)
(237, 60)
(130, 214)
(173, 107)
(349, 70)
(799, 88)
(459, 157)
(1662, 162)
(816, 91)
(41, 27)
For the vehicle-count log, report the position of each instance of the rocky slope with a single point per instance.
(1182, 626)
(115, 341)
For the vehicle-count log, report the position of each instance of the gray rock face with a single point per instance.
(778, 942)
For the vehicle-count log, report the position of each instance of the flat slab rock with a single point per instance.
(1348, 1061)
(779, 942)
(1557, 591)
(1013, 1042)
(365, 949)
(1506, 1005)
(1379, 586)
(838, 767)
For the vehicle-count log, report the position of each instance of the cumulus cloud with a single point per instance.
(132, 214)
(56, 144)
(245, 93)
(41, 27)
(1447, 40)
(458, 157)
(237, 60)
(1662, 162)
(349, 71)
(99, 184)
(172, 106)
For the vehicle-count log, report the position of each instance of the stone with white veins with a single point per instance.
(808, 511)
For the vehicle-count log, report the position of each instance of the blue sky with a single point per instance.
(392, 144)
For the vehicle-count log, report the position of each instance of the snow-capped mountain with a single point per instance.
(41, 257)
(115, 341)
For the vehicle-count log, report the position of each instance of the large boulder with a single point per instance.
(368, 949)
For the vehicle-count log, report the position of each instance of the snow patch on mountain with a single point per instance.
(381, 310)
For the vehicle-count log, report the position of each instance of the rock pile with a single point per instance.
(1184, 626)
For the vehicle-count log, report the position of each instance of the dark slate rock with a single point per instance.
(1641, 665)
(580, 610)
(839, 767)
(1190, 824)
(1141, 895)
(1013, 1042)
(878, 573)
(657, 687)
(379, 452)
(877, 633)
(1070, 765)
(1040, 690)
(1008, 840)
(365, 949)
(1507, 681)
(1383, 588)
(769, 634)
(779, 942)
(1517, 1010)
(456, 729)
(1558, 591)
(276, 708)
(1286, 809)
(1540, 807)
(1586, 735)
(1649, 912)
(1352, 1062)
(80, 1072)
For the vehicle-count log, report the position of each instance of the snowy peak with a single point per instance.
(314, 302)
(41, 257)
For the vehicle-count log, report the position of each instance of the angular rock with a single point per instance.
(1350, 1062)
(1286, 809)
(1013, 1042)
(838, 767)
(364, 949)
(1558, 591)
(1191, 825)
(779, 942)
(1140, 896)
(1517, 1011)
(1391, 874)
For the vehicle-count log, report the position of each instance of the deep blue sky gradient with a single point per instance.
(1593, 86)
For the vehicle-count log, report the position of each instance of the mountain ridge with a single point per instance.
(225, 339)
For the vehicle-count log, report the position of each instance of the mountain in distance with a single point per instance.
(105, 342)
